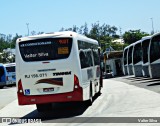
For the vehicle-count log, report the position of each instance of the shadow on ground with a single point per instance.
(60, 111)
(154, 84)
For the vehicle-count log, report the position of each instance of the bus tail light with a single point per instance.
(76, 82)
(78, 91)
(20, 88)
(7, 78)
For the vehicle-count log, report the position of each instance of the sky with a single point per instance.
(52, 15)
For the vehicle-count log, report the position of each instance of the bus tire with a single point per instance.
(1, 87)
(9, 85)
(99, 92)
(101, 82)
(44, 107)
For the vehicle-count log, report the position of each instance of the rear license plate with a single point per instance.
(48, 89)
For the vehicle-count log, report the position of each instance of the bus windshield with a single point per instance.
(45, 49)
(145, 46)
(130, 55)
(155, 48)
(137, 53)
(125, 57)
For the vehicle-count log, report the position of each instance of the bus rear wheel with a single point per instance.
(1, 87)
(90, 96)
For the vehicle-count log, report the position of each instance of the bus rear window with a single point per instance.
(10, 69)
(45, 49)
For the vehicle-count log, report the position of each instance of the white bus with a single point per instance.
(7, 75)
(57, 67)
(145, 63)
(154, 56)
(137, 59)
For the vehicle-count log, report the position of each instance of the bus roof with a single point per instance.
(58, 34)
(146, 37)
(155, 34)
(128, 46)
(139, 41)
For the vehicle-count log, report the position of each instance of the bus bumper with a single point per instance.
(76, 95)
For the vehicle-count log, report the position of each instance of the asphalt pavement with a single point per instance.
(7, 95)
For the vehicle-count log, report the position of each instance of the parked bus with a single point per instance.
(57, 67)
(125, 52)
(7, 75)
(137, 59)
(154, 56)
(145, 63)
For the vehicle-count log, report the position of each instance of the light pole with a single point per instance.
(152, 25)
(27, 28)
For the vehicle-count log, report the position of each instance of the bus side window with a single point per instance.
(96, 57)
(155, 51)
(89, 59)
(82, 59)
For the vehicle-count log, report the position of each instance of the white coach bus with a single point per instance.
(57, 67)
(154, 56)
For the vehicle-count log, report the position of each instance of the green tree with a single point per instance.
(85, 29)
(75, 28)
(3, 42)
(80, 31)
(6, 57)
(95, 31)
(40, 33)
(132, 36)
(33, 32)
(62, 29)
(13, 43)
(103, 33)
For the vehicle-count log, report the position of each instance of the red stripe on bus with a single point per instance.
(76, 95)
